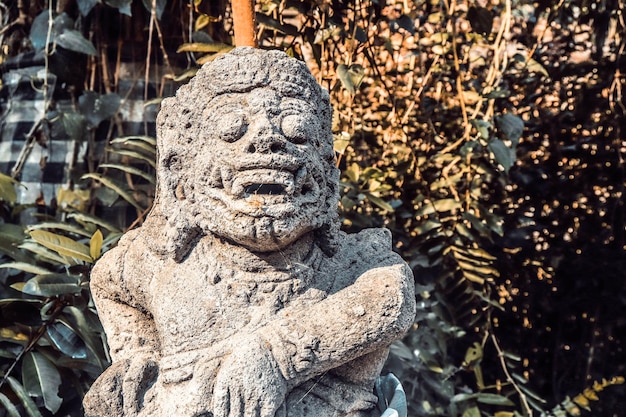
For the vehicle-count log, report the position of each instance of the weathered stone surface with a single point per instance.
(239, 296)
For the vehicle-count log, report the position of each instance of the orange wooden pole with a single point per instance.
(244, 23)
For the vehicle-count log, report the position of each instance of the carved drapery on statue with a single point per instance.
(240, 296)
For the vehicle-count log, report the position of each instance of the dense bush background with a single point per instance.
(488, 136)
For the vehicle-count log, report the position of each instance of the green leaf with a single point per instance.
(75, 41)
(62, 245)
(84, 218)
(271, 23)
(482, 127)
(122, 5)
(7, 189)
(52, 285)
(11, 237)
(8, 406)
(88, 327)
(341, 142)
(494, 399)
(95, 244)
(68, 227)
(134, 154)
(131, 170)
(98, 107)
(439, 206)
(66, 340)
(126, 139)
(351, 77)
(42, 379)
(511, 126)
(44, 253)
(85, 6)
(27, 402)
(472, 412)
(75, 125)
(141, 145)
(115, 186)
(504, 155)
(379, 202)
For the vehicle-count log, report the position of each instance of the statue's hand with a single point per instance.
(121, 389)
(250, 383)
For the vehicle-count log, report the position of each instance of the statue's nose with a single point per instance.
(264, 138)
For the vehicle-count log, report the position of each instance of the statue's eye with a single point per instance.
(230, 126)
(298, 128)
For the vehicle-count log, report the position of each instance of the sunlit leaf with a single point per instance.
(62, 245)
(13, 336)
(132, 139)
(570, 407)
(7, 189)
(44, 253)
(95, 245)
(149, 159)
(438, 206)
(582, 402)
(26, 267)
(52, 285)
(42, 379)
(202, 21)
(84, 218)
(203, 47)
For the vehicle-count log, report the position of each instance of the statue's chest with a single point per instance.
(194, 309)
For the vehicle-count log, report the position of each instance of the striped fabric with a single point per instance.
(41, 155)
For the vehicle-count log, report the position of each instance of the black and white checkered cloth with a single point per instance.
(43, 161)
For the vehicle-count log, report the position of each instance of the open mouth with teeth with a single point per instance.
(264, 189)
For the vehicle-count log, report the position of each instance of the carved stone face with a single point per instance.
(250, 161)
(261, 180)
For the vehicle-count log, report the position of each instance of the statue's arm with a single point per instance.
(132, 340)
(363, 317)
(122, 309)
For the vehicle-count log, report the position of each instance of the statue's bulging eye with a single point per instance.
(230, 127)
(298, 128)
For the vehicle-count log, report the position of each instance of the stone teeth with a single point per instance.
(265, 189)
(263, 182)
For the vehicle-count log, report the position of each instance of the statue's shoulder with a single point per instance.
(373, 246)
(132, 252)
(359, 252)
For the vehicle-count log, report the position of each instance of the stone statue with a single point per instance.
(240, 296)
